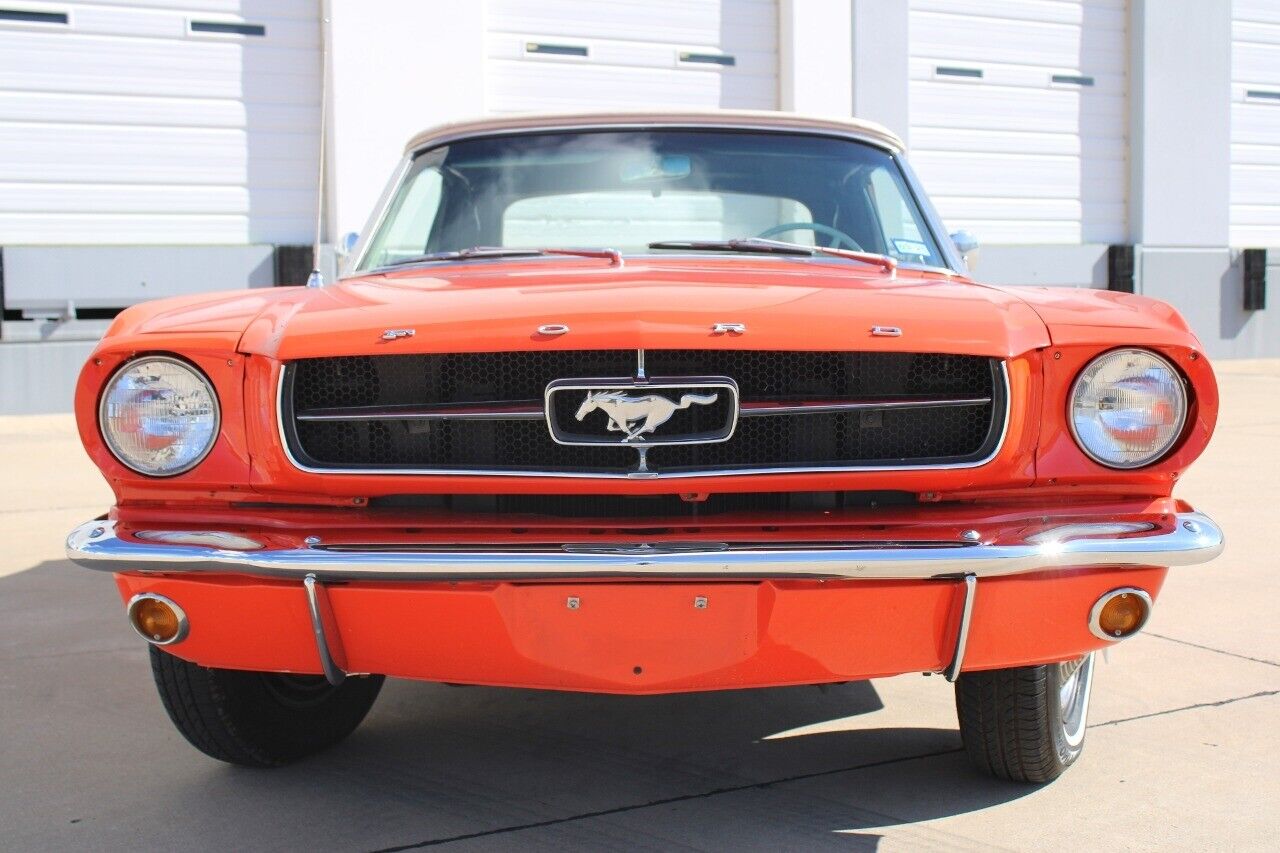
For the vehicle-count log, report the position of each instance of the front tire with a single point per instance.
(259, 719)
(1026, 724)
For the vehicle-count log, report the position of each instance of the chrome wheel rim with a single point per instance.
(1075, 679)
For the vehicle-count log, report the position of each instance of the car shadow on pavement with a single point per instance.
(94, 760)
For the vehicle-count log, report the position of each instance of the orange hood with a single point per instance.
(656, 303)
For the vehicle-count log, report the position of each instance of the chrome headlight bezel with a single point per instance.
(1175, 435)
(113, 447)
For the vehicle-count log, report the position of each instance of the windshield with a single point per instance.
(627, 190)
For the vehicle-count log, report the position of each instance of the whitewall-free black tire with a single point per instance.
(1027, 723)
(259, 719)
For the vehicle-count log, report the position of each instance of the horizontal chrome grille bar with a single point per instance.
(515, 411)
(749, 410)
(525, 411)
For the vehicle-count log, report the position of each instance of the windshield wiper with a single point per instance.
(475, 252)
(746, 244)
(761, 245)
(481, 252)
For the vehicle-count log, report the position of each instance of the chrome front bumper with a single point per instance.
(1181, 539)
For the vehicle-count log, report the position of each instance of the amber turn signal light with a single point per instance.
(157, 619)
(1120, 613)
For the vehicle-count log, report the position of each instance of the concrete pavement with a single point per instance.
(1181, 753)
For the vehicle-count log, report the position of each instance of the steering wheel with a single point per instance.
(835, 234)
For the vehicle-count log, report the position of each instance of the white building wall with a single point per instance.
(1181, 119)
(392, 71)
(881, 58)
(816, 48)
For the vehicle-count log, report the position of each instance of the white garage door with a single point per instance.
(585, 54)
(1019, 118)
(1255, 123)
(159, 122)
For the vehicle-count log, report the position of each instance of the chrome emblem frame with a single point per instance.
(634, 410)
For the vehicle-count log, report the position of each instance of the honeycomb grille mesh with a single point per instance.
(891, 437)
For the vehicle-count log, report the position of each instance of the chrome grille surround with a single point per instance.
(998, 402)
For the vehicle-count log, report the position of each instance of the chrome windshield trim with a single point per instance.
(1188, 539)
(932, 219)
(632, 475)
(374, 223)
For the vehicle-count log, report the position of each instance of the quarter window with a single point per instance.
(900, 228)
(410, 220)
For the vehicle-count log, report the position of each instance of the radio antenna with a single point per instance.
(316, 279)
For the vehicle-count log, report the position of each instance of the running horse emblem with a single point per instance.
(635, 416)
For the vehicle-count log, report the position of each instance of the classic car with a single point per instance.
(643, 403)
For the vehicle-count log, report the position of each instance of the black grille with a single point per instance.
(368, 380)
(644, 507)
(847, 439)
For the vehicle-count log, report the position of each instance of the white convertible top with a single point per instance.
(743, 119)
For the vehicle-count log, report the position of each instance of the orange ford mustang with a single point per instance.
(640, 404)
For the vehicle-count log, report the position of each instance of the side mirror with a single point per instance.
(967, 245)
(347, 244)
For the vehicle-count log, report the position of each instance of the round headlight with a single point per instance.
(159, 416)
(1127, 408)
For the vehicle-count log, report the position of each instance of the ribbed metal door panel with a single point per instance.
(127, 125)
(1035, 149)
(1255, 123)
(637, 54)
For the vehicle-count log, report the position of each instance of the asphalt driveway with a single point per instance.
(1182, 749)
